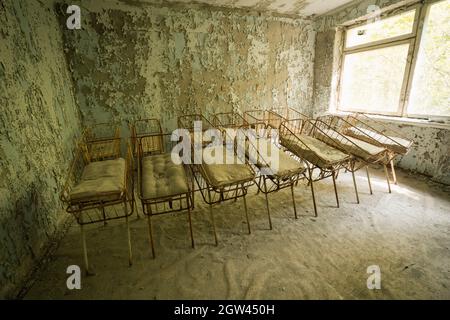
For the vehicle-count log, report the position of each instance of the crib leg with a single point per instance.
(393, 172)
(312, 192)
(104, 216)
(387, 178)
(259, 183)
(293, 201)
(337, 174)
(246, 215)
(368, 179)
(190, 226)
(193, 193)
(335, 189)
(268, 211)
(130, 253)
(354, 183)
(150, 234)
(137, 212)
(267, 205)
(85, 256)
(213, 224)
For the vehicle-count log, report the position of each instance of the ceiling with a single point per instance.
(284, 7)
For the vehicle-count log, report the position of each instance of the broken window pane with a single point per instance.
(372, 80)
(382, 29)
(430, 93)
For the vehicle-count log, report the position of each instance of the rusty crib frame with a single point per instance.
(273, 117)
(360, 119)
(96, 210)
(102, 142)
(290, 133)
(266, 183)
(211, 193)
(341, 125)
(149, 140)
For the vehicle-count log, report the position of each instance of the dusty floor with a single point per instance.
(406, 233)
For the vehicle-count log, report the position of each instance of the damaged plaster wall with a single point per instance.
(140, 61)
(431, 153)
(38, 123)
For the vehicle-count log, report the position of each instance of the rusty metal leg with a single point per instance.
(293, 200)
(387, 178)
(130, 253)
(337, 174)
(85, 256)
(193, 191)
(267, 204)
(312, 191)
(212, 218)
(190, 223)
(368, 179)
(213, 224)
(354, 183)
(136, 209)
(259, 183)
(393, 172)
(268, 211)
(104, 216)
(150, 234)
(83, 243)
(335, 189)
(246, 215)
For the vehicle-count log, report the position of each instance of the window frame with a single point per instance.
(414, 40)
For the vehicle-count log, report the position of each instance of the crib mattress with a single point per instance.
(316, 152)
(162, 178)
(284, 164)
(358, 148)
(230, 170)
(399, 145)
(100, 180)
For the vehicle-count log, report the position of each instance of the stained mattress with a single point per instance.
(313, 150)
(162, 178)
(226, 169)
(274, 161)
(100, 181)
(394, 144)
(351, 145)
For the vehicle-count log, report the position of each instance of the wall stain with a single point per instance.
(38, 124)
(167, 61)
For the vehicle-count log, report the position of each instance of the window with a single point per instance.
(399, 65)
(398, 25)
(430, 93)
(372, 80)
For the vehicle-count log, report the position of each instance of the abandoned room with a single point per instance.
(225, 149)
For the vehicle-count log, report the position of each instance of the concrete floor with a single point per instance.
(406, 233)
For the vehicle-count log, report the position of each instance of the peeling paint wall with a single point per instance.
(431, 153)
(38, 123)
(141, 61)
